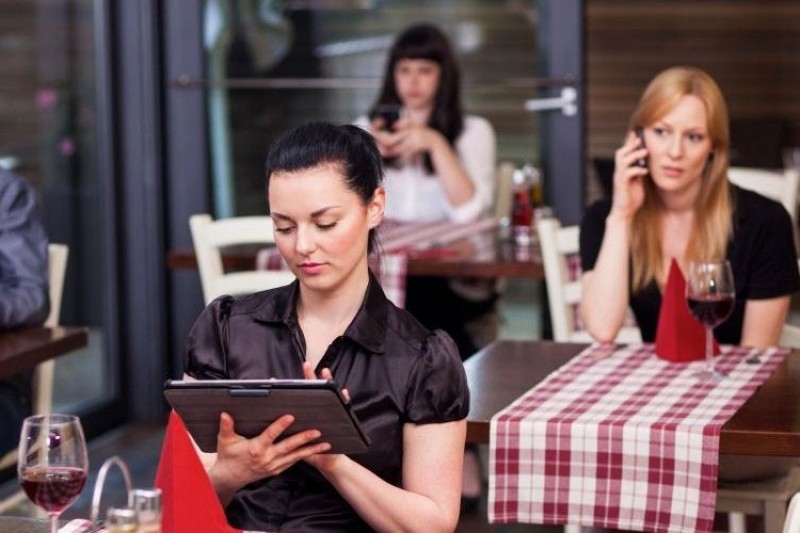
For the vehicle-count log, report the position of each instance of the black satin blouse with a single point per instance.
(395, 370)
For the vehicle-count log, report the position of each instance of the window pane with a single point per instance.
(326, 64)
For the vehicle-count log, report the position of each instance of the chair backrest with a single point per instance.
(792, 524)
(57, 255)
(564, 289)
(790, 334)
(209, 236)
(779, 186)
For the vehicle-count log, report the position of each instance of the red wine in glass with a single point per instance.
(52, 462)
(711, 309)
(53, 488)
(710, 295)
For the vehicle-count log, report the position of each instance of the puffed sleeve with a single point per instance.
(438, 389)
(206, 348)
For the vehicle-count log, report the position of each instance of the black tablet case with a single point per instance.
(254, 404)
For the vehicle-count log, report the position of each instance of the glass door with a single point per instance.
(241, 72)
(54, 132)
(269, 66)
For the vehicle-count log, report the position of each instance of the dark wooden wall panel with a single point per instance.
(751, 47)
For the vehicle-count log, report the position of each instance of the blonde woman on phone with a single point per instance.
(672, 200)
(679, 204)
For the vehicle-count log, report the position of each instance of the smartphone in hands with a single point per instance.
(642, 162)
(390, 113)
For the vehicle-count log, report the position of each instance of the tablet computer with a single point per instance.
(255, 404)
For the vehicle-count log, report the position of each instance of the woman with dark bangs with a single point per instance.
(439, 166)
(440, 162)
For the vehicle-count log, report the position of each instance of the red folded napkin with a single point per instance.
(189, 504)
(680, 337)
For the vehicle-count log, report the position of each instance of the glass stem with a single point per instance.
(53, 523)
(709, 350)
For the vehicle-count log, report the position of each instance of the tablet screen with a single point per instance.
(255, 404)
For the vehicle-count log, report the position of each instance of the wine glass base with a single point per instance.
(711, 375)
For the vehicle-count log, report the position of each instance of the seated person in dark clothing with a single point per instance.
(677, 203)
(406, 383)
(23, 290)
(681, 205)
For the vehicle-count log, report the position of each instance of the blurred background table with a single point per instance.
(767, 424)
(495, 256)
(22, 349)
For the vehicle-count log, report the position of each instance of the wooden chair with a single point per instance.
(779, 186)
(210, 236)
(57, 255)
(563, 289)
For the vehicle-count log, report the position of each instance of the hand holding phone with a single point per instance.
(642, 162)
(390, 113)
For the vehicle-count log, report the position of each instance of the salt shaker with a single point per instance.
(147, 504)
(121, 520)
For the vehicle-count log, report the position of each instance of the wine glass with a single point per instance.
(710, 294)
(52, 464)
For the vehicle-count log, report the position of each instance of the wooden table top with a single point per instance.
(498, 258)
(767, 424)
(22, 349)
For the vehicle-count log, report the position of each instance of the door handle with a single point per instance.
(567, 102)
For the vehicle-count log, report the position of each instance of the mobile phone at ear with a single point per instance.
(390, 114)
(642, 162)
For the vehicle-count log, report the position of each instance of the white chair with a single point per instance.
(766, 498)
(779, 186)
(564, 293)
(790, 335)
(57, 255)
(209, 236)
(792, 524)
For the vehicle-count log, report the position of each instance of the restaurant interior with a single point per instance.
(130, 117)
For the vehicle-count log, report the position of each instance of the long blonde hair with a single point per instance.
(712, 221)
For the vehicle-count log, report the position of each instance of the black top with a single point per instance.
(761, 252)
(395, 370)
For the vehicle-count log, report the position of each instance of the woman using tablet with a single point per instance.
(406, 383)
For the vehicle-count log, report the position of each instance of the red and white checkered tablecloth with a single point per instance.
(78, 526)
(619, 438)
(399, 241)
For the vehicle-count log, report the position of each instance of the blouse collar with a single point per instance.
(368, 327)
